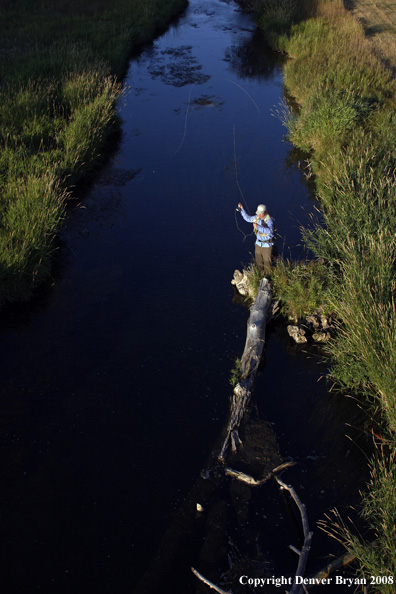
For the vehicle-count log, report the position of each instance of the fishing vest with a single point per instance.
(269, 236)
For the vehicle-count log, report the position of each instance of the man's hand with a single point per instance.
(239, 206)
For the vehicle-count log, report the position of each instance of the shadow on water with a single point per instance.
(115, 379)
(253, 59)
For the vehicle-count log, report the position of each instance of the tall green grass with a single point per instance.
(375, 551)
(29, 226)
(340, 85)
(276, 16)
(59, 87)
(346, 124)
(358, 242)
(300, 286)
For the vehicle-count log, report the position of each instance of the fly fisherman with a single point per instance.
(264, 230)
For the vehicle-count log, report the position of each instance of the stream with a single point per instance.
(115, 380)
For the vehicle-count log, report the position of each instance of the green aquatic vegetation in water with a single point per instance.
(235, 373)
(254, 276)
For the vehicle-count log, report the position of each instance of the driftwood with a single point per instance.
(249, 364)
(303, 554)
(249, 480)
(207, 582)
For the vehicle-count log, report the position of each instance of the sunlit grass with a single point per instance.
(29, 226)
(358, 242)
(379, 21)
(346, 123)
(301, 287)
(375, 551)
(59, 91)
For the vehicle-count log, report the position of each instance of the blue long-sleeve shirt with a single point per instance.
(265, 229)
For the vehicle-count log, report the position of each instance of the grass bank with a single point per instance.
(346, 124)
(60, 78)
(379, 22)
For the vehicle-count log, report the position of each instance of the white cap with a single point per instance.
(261, 209)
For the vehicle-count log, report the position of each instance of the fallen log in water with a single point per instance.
(302, 554)
(250, 361)
(176, 537)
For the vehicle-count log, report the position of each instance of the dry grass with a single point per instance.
(379, 21)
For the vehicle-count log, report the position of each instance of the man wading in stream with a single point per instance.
(264, 230)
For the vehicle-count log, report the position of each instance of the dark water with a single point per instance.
(115, 381)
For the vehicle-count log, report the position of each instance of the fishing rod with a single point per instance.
(245, 235)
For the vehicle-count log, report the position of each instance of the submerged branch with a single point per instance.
(208, 583)
(303, 554)
(246, 478)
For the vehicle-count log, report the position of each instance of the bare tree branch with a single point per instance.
(208, 583)
(303, 554)
(246, 478)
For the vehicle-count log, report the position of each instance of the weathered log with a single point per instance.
(241, 476)
(282, 467)
(303, 554)
(240, 401)
(236, 441)
(255, 336)
(249, 480)
(207, 582)
(250, 361)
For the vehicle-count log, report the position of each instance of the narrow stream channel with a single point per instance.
(115, 381)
